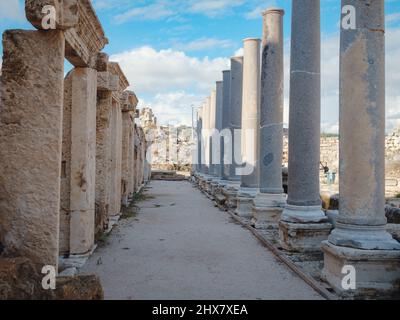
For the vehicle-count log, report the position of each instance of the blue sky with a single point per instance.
(173, 51)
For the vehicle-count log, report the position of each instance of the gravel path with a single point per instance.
(180, 246)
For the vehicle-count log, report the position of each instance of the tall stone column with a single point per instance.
(31, 110)
(206, 136)
(107, 83)
(269, 202)
(216, 140)
(360, 238)
(211, 128)
(217, 152)
(235, 116)
(199, 140)
(116, 157)
(226, 140)
(250, 127)
(232, 187)
(83, 160)
(303, 224)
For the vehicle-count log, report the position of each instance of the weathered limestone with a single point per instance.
(216, 139)
(129, 103)
(79, 162)
(217, 152)
(235, 124)
(116, 143)
(304, 204)
(200, 150)
(250, 127)
(206, 136)
(107, 83)
(235, 116)
(30, 144)
(226, 145)
(269, 202)
(84, 35)
(225, 155)
(212, 127)
(360, 238)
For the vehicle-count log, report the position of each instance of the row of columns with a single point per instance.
(359, 238)
(70, 153)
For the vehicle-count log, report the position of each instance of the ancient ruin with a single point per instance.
(77, 153)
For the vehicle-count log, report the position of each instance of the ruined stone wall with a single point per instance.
(330, 155)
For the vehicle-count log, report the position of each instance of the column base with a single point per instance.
(303, 237)
(363, 237)
(219, 196)
(230, 193)
(304, 214)
(377, 271)
(244, 199)
(267, 209)
(214, 185)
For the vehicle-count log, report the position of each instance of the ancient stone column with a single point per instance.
(250, 127)
(217, 154)
(31, 110)
(232, 187)
(212, 127)
(235, 116)
(226, 141)
(269, 202)
(206, 135)
(83, 160)
(303, 224)
(116, 157)
(107, 83)
(200, 150)
(360, 238)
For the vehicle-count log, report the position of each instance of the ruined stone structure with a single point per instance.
(358, 235)
(67, 158)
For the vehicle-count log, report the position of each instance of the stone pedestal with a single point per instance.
(244, 201)
(230, 191)
(304, 202)
(303, 237)
(376, 271)
(31, 92)
(360, 238)
(270, 201)
(267, 209)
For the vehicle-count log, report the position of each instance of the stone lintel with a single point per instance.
(115, 69)
(106, 81)
(129, 101)
(102, 62)
(66, 12)
(85, 40)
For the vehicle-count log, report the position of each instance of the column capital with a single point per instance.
(273, 10)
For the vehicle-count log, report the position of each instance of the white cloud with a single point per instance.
(170, 79)
(174, 108)
(11, 10)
